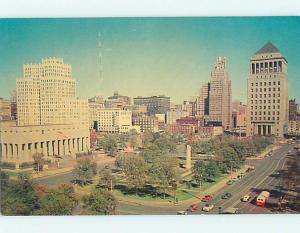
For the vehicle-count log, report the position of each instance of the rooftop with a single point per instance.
(268, 48)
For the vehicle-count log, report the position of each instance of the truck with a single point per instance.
(262, 198)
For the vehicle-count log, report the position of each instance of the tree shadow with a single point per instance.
(146, 191)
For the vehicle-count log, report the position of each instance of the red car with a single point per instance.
(207, 198)
(193, 207)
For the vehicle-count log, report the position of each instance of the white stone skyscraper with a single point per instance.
(220, 95)
(47, 95)
(267, 108)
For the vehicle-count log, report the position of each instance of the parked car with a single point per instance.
(193, 207)
(230, 182)
(234, 179)
(208, 207)
(182, 212)
(246, 198)
(226, 196)
(207, 198)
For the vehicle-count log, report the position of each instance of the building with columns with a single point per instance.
(19, 143)
(50, 118)
(267, 103)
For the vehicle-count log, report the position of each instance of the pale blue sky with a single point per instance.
(147, 56)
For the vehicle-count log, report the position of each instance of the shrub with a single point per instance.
(8, 165)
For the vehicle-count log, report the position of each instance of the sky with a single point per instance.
(147, 56)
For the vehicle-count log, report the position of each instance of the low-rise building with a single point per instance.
(113, 120)
(146, 123)
(174, 115)
(294, 127)
(5, 109)
(210, 131)
(19, 143)
(180, 129)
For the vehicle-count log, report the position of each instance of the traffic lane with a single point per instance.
(64, 178)
(266, 184)
(263, 166)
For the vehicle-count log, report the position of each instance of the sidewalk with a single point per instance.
(264, 153)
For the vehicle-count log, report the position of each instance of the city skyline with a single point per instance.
(139, 53)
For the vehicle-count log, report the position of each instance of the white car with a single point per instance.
(246, 198)
(208, 207)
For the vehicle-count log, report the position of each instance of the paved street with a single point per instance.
(252, 183)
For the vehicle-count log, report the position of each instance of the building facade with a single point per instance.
(155, 104)
(19, 143)
(293, 110)
(5, 109)
(50, 118)
(267, 103)
(47, 95)
(220, 95)
(202, 101)
(174, 115)
(180, 129)
(117, 101)
(114, 120)
(146, 123)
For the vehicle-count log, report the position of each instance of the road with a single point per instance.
(262, 178)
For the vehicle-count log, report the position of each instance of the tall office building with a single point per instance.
(202, 101)
(220, 95)
(155, 104)
(293, 110)
(51, 119)
(267, 108)
(47, 95)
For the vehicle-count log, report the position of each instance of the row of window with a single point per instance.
(264, 101)
(264, 95)
(265, 83)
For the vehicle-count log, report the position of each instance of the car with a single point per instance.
(246, 198)
(226, 196)
(231, 210)
(193, 207)
(229, 182)
(207, 198)
(208, 207)
(181, 212)
(234, 179)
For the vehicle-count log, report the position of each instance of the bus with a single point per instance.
(262, 198)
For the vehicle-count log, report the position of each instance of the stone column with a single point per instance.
(188, 164)
(9, 152)
(61, 148)
(55, 146)
(77, 145)
(4, 155)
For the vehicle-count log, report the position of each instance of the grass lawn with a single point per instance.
(14, 174)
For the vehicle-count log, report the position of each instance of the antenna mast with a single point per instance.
(100, 68)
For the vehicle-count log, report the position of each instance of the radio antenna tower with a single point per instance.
(100, 67)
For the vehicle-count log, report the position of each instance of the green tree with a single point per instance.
(199, 172)
(107, 178)
(20, 197)
(38, 161)
(135, 169)
(58, 201)
(211, 170)
(4, 181)
(163, 173)
(110, 144)
(100, 202)
(132, 138)
(85, 169)
(147, 138)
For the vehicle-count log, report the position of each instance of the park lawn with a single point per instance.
(14, 174)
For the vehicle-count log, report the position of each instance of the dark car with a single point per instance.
(226, 196)
(207, 198)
